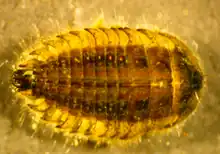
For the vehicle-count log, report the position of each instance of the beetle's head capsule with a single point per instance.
(22, 80)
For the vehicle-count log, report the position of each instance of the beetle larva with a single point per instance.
(110, 83)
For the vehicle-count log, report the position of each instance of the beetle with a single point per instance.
(110, 84)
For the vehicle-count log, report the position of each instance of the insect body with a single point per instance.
(110, 83)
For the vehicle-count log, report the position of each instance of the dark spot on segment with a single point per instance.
(112, 110)
(142, 105)
(49, 81)
(140, 111)
(87, 108)
(67, 101)
(89, 83)
(111, 60)
(140, 57)
(100, 108)
(63, 82)
(121, 57)
(122, 110)
(75, 104)
(88, 57)
(110, 57)
(111, 84)
(122, 61)
(100, 84)
(43, 66)
(141, 62)
(100, 58)
(137, 56)
(76, 83)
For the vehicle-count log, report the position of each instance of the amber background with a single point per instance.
(196, 21)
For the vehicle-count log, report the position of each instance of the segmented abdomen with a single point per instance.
(109, 74)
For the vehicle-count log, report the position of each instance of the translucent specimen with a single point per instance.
(110, 84)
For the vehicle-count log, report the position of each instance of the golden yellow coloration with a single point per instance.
(77, 80)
